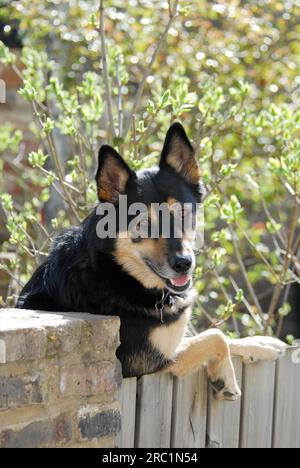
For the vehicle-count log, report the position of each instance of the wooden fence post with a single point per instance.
(223, 425)
(154, 411)
(286, 432)
(128, 412)
(159, 411)
(189, 411)
(257, 405)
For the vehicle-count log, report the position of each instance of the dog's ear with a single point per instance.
(178, 153)
(112, 176)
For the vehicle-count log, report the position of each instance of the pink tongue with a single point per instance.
(180, 281)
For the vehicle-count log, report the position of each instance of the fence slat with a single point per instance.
(287, 402)
(173, 412)
(189, 411)
(223, 426)
(154, 411)
(257, 405)
(128, 405)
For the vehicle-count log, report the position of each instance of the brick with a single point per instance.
(64, 339)
(91, 379)
(38, 434)
(19, 391)
(105, 333)
(22, 345)
(28, 335)
(66, 361)
(101, 424)
(33, 335)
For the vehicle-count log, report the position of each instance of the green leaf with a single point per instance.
(28, 92)
(6, 200)
(49, 125)
(165, 99)
(37, 158)
(285, 310)
(6, 57)
(239, 296)
(227, 169)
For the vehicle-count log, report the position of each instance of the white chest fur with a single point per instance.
(167, 338)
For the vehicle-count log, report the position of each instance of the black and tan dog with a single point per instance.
(146, 282)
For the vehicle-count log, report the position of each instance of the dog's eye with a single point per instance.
(135, 237)
(140, 231)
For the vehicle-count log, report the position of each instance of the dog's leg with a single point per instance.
(257, 348)
(211, 349)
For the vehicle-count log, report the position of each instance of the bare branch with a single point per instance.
(287, 262)
(57, 163)
(241, 263)
(11, 275)
(228, 298)
(244, 271)
(258, 252)
(134, 140)
(108, 94)
(120, 101)
(173, 14)
(255, 317)
(281, 318)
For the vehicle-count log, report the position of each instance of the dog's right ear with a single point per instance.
(112, 176)
(178, 154)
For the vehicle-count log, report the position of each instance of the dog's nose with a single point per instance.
(181, 263)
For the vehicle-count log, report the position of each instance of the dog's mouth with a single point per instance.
(177, 284)
(180, 283)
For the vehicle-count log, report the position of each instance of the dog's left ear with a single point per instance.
(113, 175)
(178, 153)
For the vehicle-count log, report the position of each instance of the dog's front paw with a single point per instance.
(222, 391)
(258, 348)
(223, 381)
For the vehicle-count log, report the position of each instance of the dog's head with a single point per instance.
(150, 244)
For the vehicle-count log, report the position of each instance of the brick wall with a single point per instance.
(59, 380)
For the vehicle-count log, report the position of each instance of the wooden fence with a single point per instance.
(159, 411)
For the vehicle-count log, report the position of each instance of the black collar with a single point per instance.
(167, 299)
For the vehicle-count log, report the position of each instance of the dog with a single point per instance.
(145, 281)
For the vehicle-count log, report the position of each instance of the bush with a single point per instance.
(229, 71)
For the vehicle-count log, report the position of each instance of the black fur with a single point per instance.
(81, 273)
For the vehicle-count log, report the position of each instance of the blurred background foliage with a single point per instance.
(229, 70)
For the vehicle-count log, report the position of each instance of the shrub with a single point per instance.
(121, 75)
